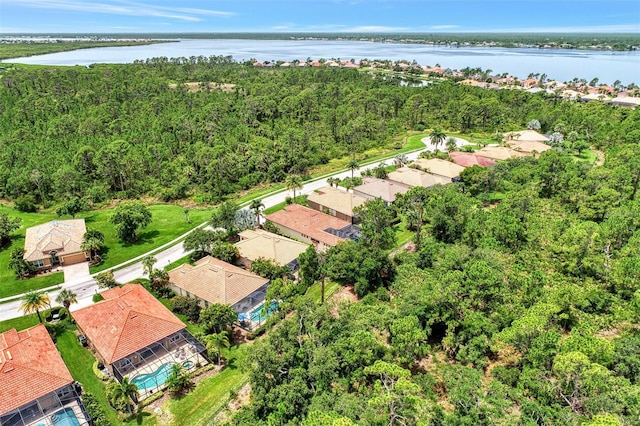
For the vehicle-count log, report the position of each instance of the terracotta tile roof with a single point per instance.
(63, 236)
(309, 222)
(437, 166)
(381, 188)
(468, 159)
(260, 243)
(129, 319)
(30, 367)
(216, 281)
(499, 153)
(415, 177)
(335, 199)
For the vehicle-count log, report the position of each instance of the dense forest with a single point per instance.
(207, 127)
(523, 311)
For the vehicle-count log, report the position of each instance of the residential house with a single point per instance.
(414, 177)
(530, 147)
(36, 388)
(335, 202)
(499, 153)
(468, 159)
(55, 243)
(136, 336)
(440, 168)
(373, 188)
(255, 244)
(311, 226)
(524, 136)
(211, 280)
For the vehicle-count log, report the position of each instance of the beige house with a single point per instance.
(211, 280)
(529, 147)
(335, 202)
(414, 177)
(499, 153)
(262, 244)
(524, 136)
(373, 188)
(55, 243)
(440, 168)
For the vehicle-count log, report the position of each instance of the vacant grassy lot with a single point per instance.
(167, 224)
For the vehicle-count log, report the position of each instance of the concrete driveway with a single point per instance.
(76, 273)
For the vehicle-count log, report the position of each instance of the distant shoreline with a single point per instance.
(584, 41)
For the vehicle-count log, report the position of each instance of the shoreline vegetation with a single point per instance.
(30, 47)
(587, 41)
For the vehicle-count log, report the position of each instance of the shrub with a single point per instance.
(26, 203)
(186, 306)
(94, 409)
(97, 298)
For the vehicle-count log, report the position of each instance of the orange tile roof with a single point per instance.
(30, 367)
(216, 281)
(309, 222)
(129, 319)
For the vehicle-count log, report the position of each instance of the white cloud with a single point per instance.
(444, 27)
(121, 7)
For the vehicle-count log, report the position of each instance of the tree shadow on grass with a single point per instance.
(141, 415)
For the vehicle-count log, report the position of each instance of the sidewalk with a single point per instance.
(174, 250)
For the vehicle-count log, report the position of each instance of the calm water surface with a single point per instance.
(561, 65)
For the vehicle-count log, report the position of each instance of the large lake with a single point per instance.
(561, 65)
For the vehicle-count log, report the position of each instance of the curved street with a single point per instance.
(86, 287)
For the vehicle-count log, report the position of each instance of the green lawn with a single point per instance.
(315, 291)
(211, 394)
(80, 363)
(167, 224)
(21, 323)
(175, 264)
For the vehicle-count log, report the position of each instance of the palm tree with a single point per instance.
(92, 241)
(293, 182)
(437, 137)
(67, 297)
(215, 343)
(401, 160)
(353, 166)
(256, 205)
(147, 264)
(123, 392)
(34, 301)
(451, 144)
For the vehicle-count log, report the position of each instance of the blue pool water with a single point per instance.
(152, 380)
(187, 364)
(65, 417)
(258, 316)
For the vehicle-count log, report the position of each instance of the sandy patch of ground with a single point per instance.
(196, 86)
(243, 398)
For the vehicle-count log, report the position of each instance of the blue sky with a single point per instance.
(167, 16)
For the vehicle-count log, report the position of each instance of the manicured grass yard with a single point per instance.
(80, 363)
(315, 291)
(168, 223)
(211, 394)
(21, 323)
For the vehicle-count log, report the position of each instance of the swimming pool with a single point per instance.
(65, 417)
(257, 315)
(187, 364)
(152, 380)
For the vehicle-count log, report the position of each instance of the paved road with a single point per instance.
(174, 250)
